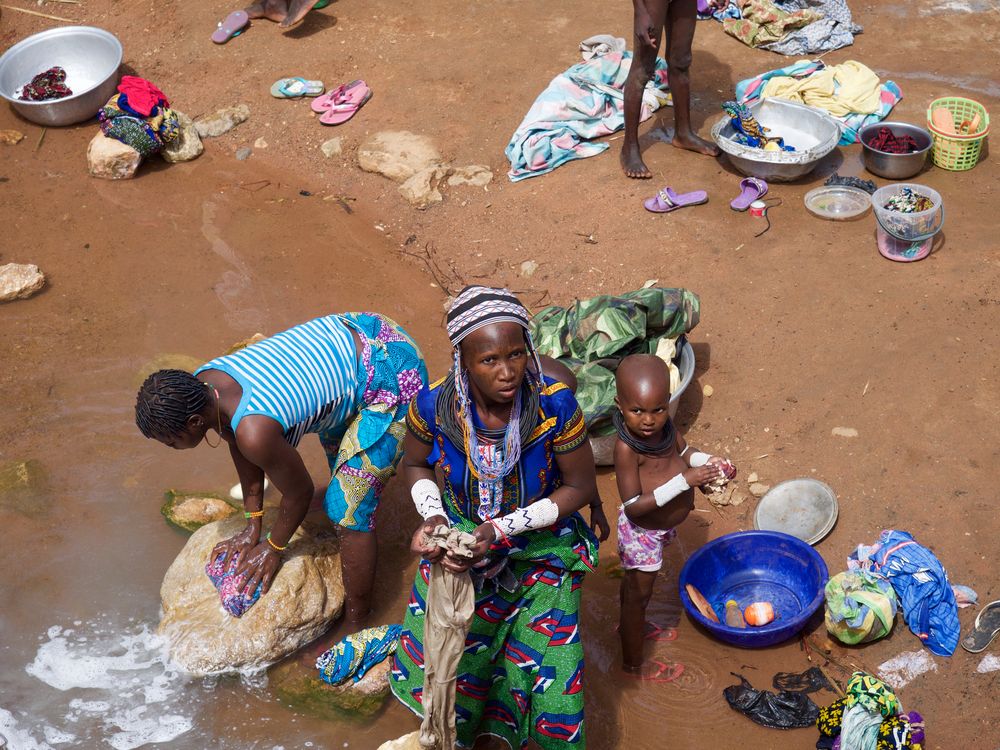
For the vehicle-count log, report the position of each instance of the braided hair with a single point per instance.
(166, 400)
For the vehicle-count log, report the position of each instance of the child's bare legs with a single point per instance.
(646, 44)
(297, 10)
(636, 589)
(273, 10)
(681, 21)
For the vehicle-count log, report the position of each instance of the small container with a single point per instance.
(895, 166)
(906, 237)
(734, 617)
(837, 202)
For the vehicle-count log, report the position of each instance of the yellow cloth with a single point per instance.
(841, 90)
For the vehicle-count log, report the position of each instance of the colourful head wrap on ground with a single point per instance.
(860, 607)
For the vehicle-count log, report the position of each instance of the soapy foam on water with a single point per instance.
(132, 692)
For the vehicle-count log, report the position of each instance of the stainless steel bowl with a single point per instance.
(895, 166)
(91, 58)
(813, 133)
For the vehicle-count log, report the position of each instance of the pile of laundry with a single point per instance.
(868, 717)
(789, 27)
(851, 92)
(139, 116)
(586, 101)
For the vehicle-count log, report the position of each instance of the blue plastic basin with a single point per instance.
(756, 566)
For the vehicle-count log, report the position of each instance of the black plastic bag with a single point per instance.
(809, 681)
(782, 710)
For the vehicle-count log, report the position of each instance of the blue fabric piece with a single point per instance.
(920, 582)
(584, 102)
(229, 586)
(352, 657)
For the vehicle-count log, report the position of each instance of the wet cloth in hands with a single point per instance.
(784, 710)
(450, 608)
(592, 336)
(353, 656)
(860, 607)
(50, 84)
(585, 102)
(850, 92)
(921, 584)
(141, 96)
(230, 586)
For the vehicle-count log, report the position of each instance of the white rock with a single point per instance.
(187, 145)
(847, 432)
(217, 123)
(421, 190)
(19, 281)
(306, 596)
(528, 268)
(110, 159)
(708, 391)
(477, 175)
(752, 478)
(398, 154)
(410, 741)
(260, 143)
(759, 490)
(332, 147)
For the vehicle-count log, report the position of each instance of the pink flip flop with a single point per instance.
(667, 200)
(753, 189)
(232, 26)
(335, 96)
(344, 107)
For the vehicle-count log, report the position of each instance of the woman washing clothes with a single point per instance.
(348, 378)
(498, 448)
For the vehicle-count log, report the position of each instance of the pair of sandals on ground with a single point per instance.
(334, 107)
(666, 200)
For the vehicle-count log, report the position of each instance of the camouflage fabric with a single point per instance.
(763, 22)
(592, 336)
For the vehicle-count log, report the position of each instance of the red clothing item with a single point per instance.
(142, 95)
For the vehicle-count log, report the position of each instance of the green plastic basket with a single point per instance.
(958, 152)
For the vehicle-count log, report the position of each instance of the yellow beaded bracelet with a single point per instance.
(253, 514)
(275, 546)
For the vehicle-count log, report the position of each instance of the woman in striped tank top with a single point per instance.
(348, 378)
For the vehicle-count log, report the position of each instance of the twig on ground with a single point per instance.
(40, 139)
(866, 388)
(36, 13)
(449, 280)
(253, 187)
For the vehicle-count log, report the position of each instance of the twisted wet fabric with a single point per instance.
(921, 584)
(51, 84)
(353, 656)
(230, 586)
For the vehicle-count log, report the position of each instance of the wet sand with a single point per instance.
(803, 330)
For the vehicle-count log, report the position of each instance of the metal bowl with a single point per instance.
(813, 133)
(805, 508)
(895, 166)
(91, 57)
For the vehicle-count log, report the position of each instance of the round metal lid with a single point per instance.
(805, 508)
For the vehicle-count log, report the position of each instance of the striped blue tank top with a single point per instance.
(304, 378)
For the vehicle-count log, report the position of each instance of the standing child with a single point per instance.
(656, 472)
(674, 19)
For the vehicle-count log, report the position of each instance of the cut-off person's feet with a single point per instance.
(297, 10)
(691, 142)
(632, 163)
(654, 671)
(272, 10)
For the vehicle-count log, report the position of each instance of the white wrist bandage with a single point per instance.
(671, 489)
(698, 459)
(427, 499)
(539, 515)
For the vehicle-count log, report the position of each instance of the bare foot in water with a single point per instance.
(297, 10)
(631, 159)
(272, 10)
(690, 142)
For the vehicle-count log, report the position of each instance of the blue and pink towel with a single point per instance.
(230, 586)
(584, 102)
(749, 91)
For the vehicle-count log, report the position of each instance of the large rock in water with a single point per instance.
(398, 154)
(302, 689)
(190, 511)
(187, 145)
(306, 596)
(19, 281)
(110, 159)
(410, 741)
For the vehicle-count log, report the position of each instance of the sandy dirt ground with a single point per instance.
(803, 330)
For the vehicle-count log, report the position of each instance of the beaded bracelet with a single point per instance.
(504, 539)
(275, 546)
(253, 514)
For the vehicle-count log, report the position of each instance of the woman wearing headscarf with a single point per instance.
(499, 449)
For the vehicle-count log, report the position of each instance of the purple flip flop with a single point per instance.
(667, 200)
(752, 189)
(232, 26)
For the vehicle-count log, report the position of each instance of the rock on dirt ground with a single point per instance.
(398, 154)
(112, 160)
(217, 123)
(19, 281)
(187, 145)
(305, 597)
(421, 190)
(477, 175)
